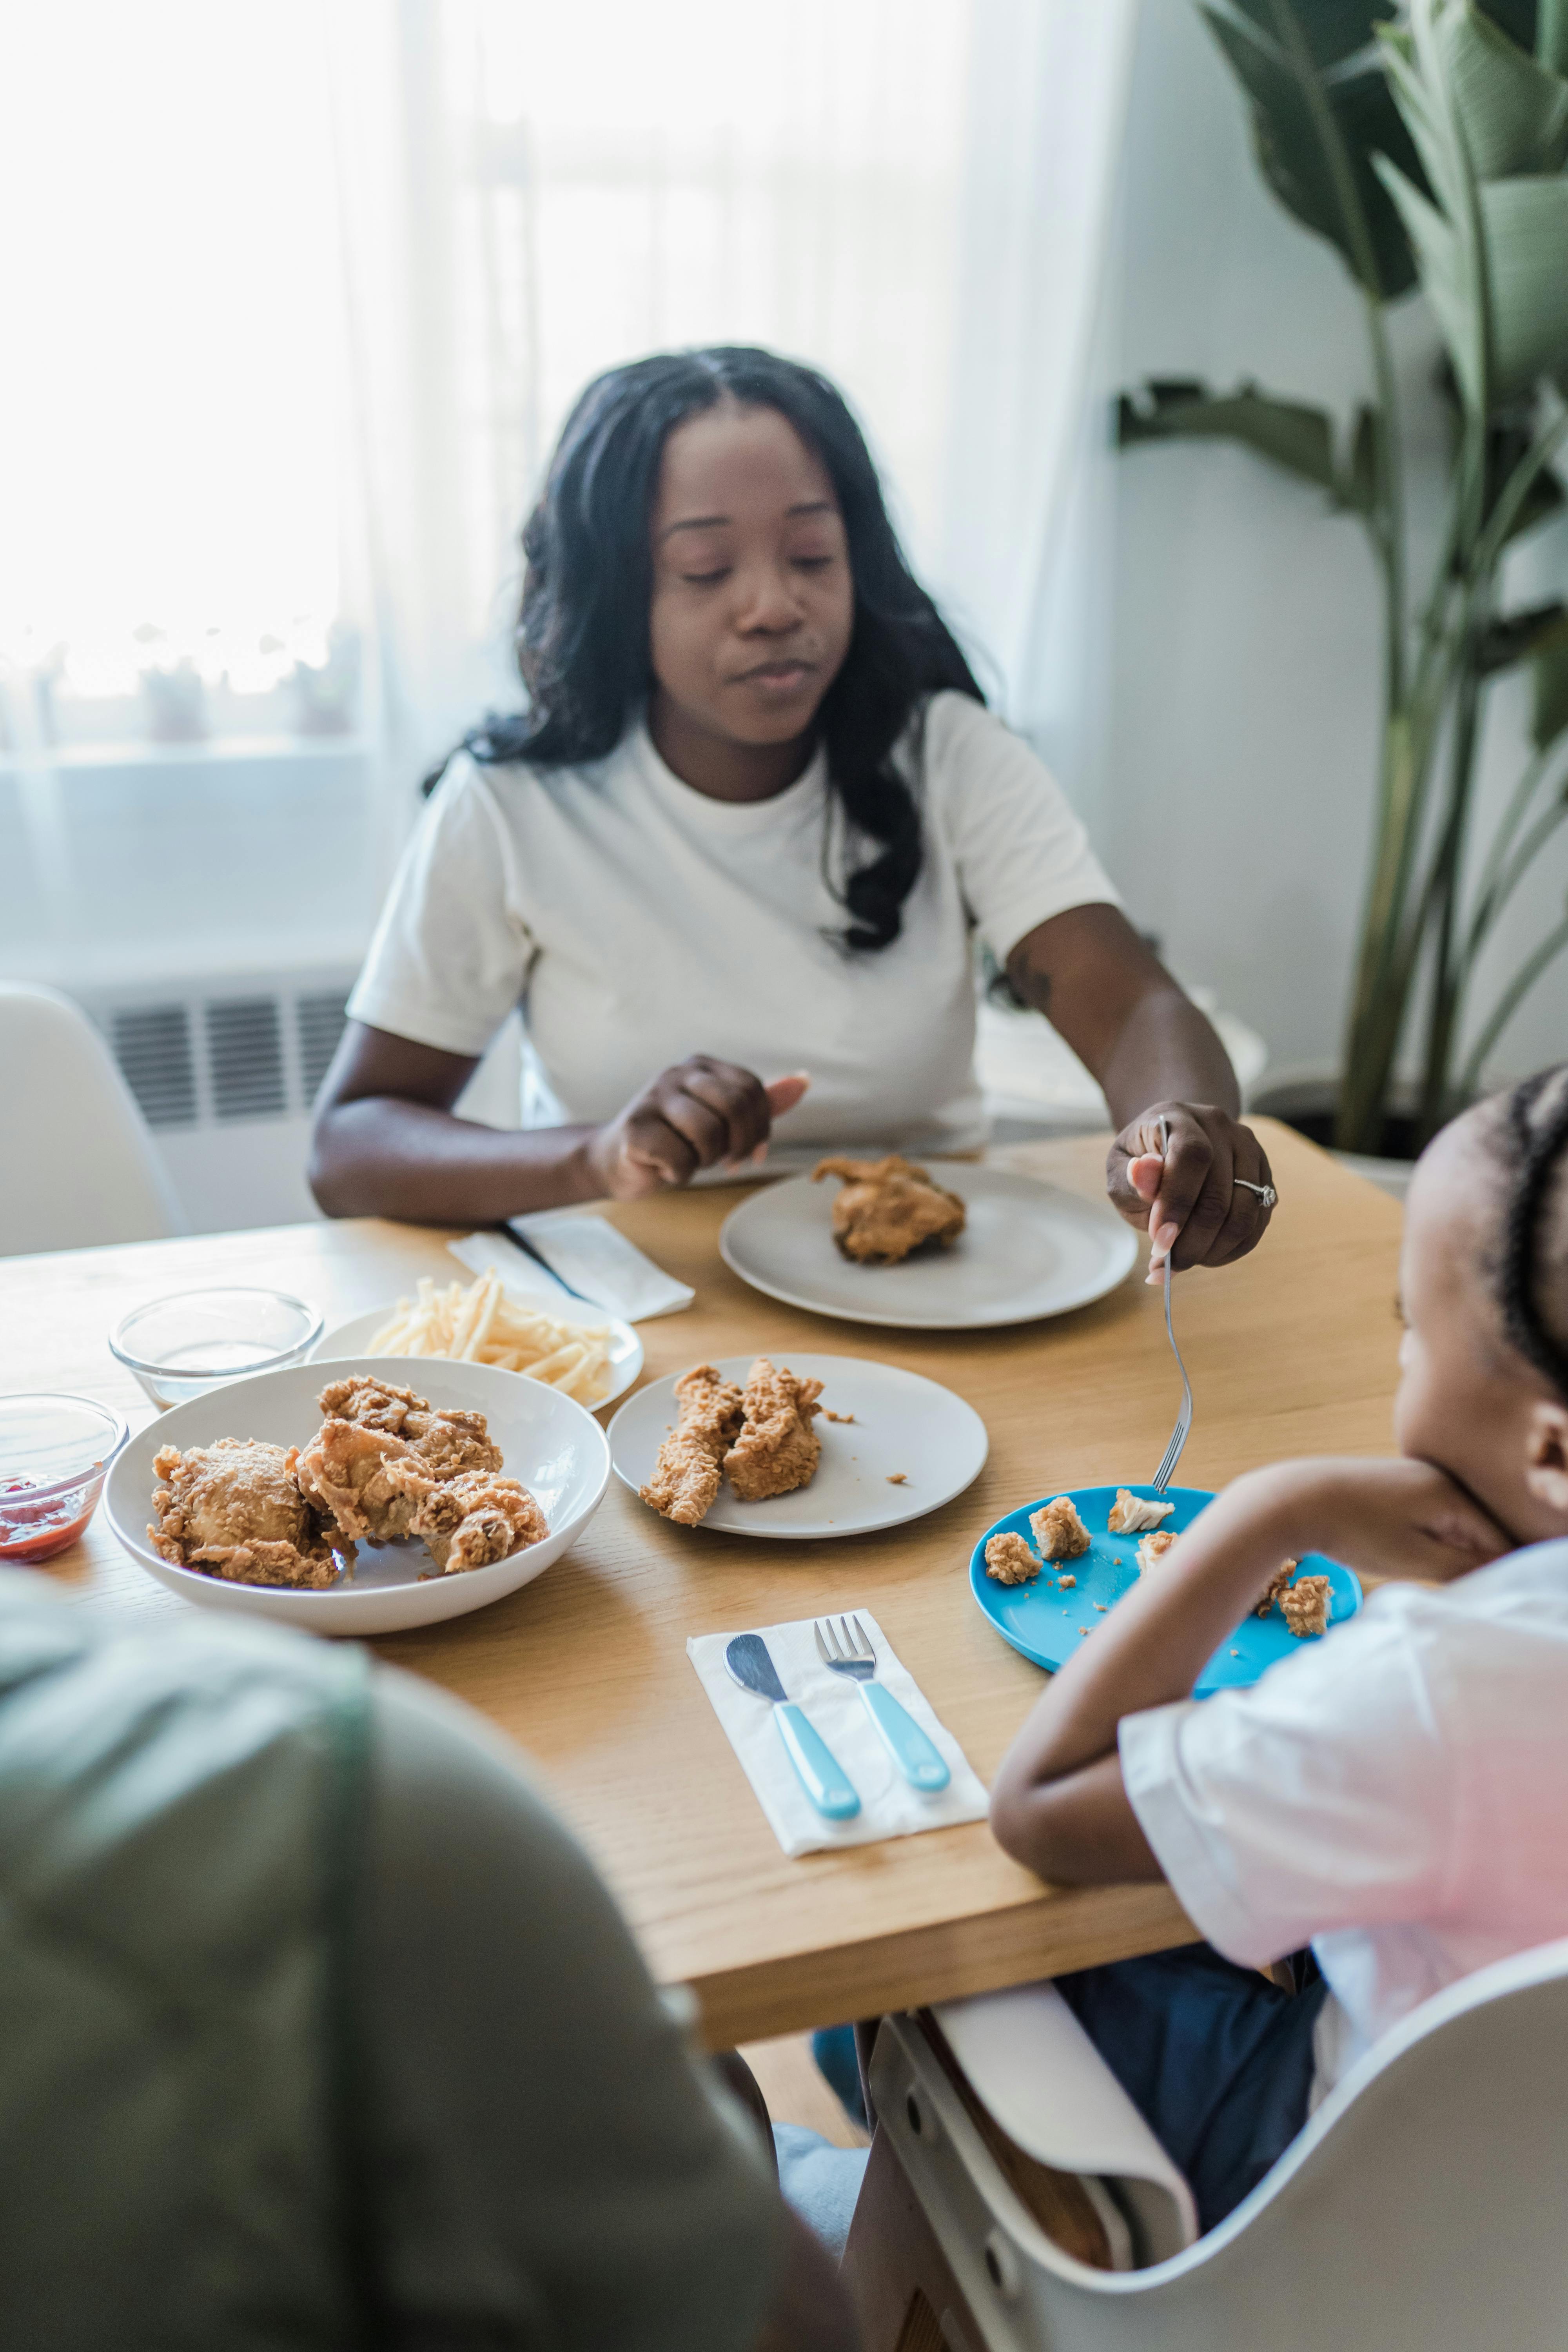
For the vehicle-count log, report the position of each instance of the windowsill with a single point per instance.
(238, 747)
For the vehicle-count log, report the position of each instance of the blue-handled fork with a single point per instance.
(851, 1651)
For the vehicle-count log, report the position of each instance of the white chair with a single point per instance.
(1425, 2207)
(77, 1164)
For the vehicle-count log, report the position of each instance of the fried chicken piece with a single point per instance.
(1277, 1585)
(777, 1449)
(685, 1480)
(888, 1208)
(1009, 1559)
(234, 1509)
(1130, 1513)
(476, 1520)
(1058, 1530)
(1152, 1549)
(381, 1451)
(447, 1440)
(368, 1483)
(1306, 1606)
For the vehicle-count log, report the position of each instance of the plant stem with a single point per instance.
(1513, 995)
(1491, 888)
(1447, 971)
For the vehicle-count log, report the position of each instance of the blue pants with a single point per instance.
(1217, 2060)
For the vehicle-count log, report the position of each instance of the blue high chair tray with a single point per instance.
(1047, 1624)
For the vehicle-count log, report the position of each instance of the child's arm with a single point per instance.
(1058, 1803)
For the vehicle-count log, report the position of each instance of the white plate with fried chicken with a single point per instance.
(947, 1246)
(339, 1497)
(796, 1447)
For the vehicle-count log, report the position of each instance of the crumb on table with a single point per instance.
(898, 1478)
(1009, 1559)
(828, 1414)
(1067, 1582)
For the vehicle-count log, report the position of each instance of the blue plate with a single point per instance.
(1047, 1624)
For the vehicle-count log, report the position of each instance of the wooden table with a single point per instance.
(1292, 1352)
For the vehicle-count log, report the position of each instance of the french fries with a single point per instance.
(478, 1323)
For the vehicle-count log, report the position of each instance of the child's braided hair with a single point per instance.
(1534, 1131)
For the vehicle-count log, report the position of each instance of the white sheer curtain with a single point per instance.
(912, 193)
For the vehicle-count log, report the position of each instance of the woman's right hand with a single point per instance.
(698, 1114)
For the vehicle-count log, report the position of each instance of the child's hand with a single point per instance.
(1393, 1518)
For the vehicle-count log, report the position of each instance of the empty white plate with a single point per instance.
(910, 1447)
(1028, 1250)
(553, 1446)
(626, 1345)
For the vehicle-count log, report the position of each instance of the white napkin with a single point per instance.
(523, 1275)
(592, 1257)
(889, 1806)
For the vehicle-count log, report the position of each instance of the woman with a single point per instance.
(730, 859)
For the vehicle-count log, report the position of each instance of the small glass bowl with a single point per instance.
(183, 1346)
(54, 1452)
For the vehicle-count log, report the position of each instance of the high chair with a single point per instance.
(1425, 2205)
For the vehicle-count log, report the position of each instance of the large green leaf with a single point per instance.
(1525, 224)
(1513, 111)
(1331, 29)
(1290, 145)
(1445, 278)
(1549, 717)
(1290, 434)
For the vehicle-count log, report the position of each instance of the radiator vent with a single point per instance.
(152, 1046)
(320, 1021)
(214, 1058)
(244, 1056)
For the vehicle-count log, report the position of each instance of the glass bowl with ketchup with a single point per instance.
(54, 1452)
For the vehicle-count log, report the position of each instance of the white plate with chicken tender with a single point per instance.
(359, 1497)
(795, 1446)
(570, 1346)
(942, 1246)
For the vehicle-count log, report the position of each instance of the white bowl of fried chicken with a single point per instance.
(335, 1496)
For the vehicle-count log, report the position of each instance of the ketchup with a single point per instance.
(37, 1531)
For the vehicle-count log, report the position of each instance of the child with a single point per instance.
(1395, 1792)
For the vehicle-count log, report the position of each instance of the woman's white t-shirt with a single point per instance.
(636, 922)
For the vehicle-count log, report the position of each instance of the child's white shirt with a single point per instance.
(1396, 1794)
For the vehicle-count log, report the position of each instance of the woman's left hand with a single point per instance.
(1196, 1196)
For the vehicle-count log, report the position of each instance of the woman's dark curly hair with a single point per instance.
(1532, 1266)
(582, 635)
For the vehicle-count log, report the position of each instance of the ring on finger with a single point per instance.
(1266, 1192)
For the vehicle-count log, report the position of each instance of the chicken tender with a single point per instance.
(234, 1510)
(1058, 1530)
(1009, 1559)
(888, 1208)
(1306, 1606)
(685, 1481)
(1130, 1513)
(1152, 1549)
(777, 1449)
(476, 1520)
(1278, 1584)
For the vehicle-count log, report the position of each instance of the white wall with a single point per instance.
(1227, 755)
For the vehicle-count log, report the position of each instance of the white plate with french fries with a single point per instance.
(587, 1355)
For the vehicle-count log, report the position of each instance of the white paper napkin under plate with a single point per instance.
(889, 1807)
(594, 1258)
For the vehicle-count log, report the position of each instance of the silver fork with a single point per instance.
(1172, 1453)
(851, 1651)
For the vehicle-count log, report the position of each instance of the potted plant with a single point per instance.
(1428, 143)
